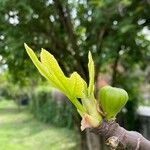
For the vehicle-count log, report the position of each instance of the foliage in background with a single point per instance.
(49, 110)
(114, 31)
(39, 101)
(10, 90)
(28, 133)
(130, 118)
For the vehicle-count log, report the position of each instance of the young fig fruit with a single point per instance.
(112, 100)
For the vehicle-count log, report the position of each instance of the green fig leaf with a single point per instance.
(78, 85)
(37, 63)
(91, 75)
(57, 75)
(73, 87)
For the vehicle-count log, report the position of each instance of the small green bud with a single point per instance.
(112, 100)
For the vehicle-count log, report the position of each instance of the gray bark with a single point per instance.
(118, 137)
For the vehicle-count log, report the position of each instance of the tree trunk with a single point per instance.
(89, 140)
(115, 65)
(92, 140)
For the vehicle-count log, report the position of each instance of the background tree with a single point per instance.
(112, 30)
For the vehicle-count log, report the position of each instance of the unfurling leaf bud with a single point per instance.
(112, 100)
(89, 121)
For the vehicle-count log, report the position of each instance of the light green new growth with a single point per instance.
(91, 75)
(74, 87)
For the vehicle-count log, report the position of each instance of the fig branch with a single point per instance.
(98, 115)
(118, 137)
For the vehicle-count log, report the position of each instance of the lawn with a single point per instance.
(20, 131)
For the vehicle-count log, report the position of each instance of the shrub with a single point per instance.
(49, 110)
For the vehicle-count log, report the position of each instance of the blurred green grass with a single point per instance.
(20, 131)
